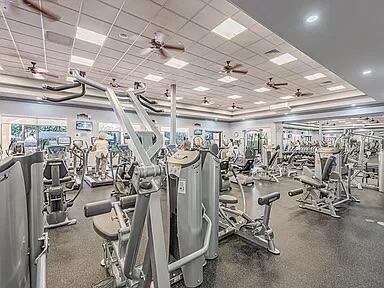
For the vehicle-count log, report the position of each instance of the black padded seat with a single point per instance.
(62, 180)
(228, 199)
(310, 181)
(106, 226)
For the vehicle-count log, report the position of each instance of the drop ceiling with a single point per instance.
(25, 36)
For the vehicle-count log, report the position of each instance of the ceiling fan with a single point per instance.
(206, 102)
(235, 107)
(275, 85)
(157, 44)
(301, 94)
(8, 4)
(228, 68)
(166, 93)
(39, 71)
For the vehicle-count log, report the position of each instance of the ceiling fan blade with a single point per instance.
(163, 53)
(159, 36)
(239, 107)
(146, 51)
(280, 84)
(179, 47)
(240, 71)
(238, 65)
(306, 94)
(49, 14)
(274, 87)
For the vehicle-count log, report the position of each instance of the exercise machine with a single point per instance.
(324, 190)
(57, 183)
(156, 268)
(24, 244)
(255, 231)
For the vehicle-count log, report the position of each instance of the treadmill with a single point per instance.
(96, 181)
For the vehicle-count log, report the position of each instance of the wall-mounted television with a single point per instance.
(84, 125)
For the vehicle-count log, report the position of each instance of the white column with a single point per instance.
(173, 114)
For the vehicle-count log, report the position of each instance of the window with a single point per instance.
(181, 133)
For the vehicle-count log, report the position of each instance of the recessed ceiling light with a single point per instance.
(1, 68)
(286, 113)
(201, 89)
(176, 63)
(312, 18)
(259, 102)
(353, 105)
(335, 88)
(283, 59)
(262, 89)
(38, 76)
(227, 79)
(229, 28)
(179, 98)
(90, 36)
(70, 79)
(39, 98)
(235, 97)
(367, 72)
(315, 76)
(82, 60)
(287, 97)
(153, 78)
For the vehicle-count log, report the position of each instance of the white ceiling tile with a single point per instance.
(255, 60)
(92, 24)
(111, 53)
(116, 45)
(86, 46)
(209, 18)
(212, 40)
(260, 30)
(185, 8)
(99, 10)
(274, 39)
(84, 54)
(57, 47)
(261, 46)
(143, 9)
(29, 17)
(193, 31)
(224, 7)
(163, 19)
(20, 38)
(246, 38)
(243, 54)
(215, 56)
(130, 22)
(58, 55)
(181, 40)
(24, 28)
(228, 47)
(68, 12)
(243, 19)
(61, 28)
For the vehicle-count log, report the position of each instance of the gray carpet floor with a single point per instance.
(316, 250)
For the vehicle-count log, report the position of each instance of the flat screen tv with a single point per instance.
(84, 125)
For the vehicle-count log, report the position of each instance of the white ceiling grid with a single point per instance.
(189, 22)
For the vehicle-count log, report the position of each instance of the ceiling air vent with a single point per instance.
(59, 38)
(273, 51)
(227, 86)
(326, 82)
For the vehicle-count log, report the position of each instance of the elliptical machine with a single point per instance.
(57, 182)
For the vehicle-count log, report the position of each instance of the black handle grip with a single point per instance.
(149, 107)
(69, 97)
(295, 192)
(62, 87)
(97, 208)
(128, 201)
(269, 198)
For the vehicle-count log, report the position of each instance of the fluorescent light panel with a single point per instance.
(153, 78)
(367, 72)
(227, 79)
(287, 97)
(259, 102)
(90, 36)
(229, 28)
(283, 59)
(312, 18)
(262, 89)
(315, 76)
(201, 89)
(176, 63)
(335, 88)
(1, 68)
(82, 60)
(235, 97)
